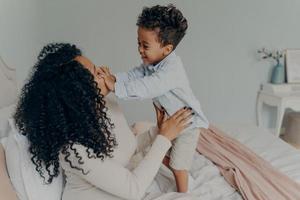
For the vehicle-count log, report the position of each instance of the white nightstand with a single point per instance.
(281, 96)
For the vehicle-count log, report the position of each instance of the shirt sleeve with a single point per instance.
(112, 177)
(136, 72)
(146, 87)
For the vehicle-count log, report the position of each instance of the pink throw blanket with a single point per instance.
(249, 174)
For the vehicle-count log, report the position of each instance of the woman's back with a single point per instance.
(78, 188)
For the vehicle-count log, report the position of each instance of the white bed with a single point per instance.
(207, 183)
(8, 94)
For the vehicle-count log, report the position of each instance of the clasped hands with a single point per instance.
(109, 78)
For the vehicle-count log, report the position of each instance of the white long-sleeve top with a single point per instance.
(111, 178)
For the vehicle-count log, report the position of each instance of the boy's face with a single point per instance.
(149, 47)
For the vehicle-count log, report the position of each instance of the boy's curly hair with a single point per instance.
(60, 106)
(167, 20)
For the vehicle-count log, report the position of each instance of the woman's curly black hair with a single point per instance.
(60, 106)
(168, 20)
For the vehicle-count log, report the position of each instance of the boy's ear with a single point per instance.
(168, 49)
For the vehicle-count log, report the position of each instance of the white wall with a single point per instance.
(219, 50)
(20, 39)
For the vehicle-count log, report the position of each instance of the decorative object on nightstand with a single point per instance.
(293, 65)
(278, 71)
(281, 96)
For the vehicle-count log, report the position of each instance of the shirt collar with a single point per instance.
(171, 56)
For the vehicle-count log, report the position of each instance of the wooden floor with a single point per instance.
(295, 144)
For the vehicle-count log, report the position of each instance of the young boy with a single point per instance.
(162, 77)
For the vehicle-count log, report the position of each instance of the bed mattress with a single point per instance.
(205, 179)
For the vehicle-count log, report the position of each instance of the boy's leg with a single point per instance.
(181, 157)
(181, 177)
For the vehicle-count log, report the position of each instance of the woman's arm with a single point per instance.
(112, 177)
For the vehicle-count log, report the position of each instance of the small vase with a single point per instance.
(278, 74)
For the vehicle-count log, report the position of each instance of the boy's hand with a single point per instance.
(108, 77)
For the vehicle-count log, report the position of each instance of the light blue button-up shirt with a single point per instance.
(166, 83)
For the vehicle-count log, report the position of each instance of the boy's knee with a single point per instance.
(179, 171)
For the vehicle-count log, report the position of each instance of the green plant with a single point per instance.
(267, 54)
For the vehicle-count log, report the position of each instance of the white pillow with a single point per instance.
(5, 114)
(13, 162)
(26, 180)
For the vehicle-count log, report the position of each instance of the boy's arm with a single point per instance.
(136, 72)
(151, 86)
(110, 79)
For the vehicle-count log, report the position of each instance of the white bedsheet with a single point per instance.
(208, 184)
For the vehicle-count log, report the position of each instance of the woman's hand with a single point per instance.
(172, 126)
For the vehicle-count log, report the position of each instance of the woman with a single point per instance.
(63, 112)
